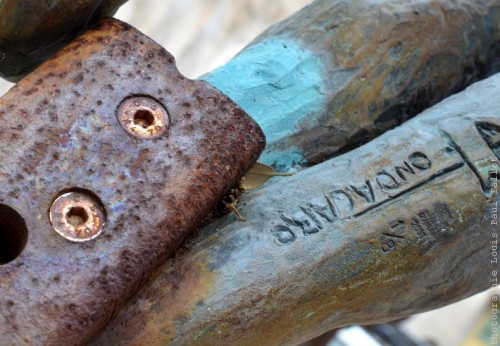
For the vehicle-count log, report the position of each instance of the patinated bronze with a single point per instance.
(401, 225)
(65, 152)
(338, 73)
(391, 229)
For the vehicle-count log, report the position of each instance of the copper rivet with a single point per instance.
(77, 216)
(143, 117)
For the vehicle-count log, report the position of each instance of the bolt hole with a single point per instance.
(77, 216)
(144, 118)
(13, 234)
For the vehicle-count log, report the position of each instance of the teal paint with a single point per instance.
(279, 84)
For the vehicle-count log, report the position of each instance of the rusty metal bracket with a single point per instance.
(109, 158)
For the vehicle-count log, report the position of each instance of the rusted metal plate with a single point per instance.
(62, 132)
(31, 31)
(404, 224)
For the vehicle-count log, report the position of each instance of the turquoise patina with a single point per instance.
(340, 73)
(279, 83)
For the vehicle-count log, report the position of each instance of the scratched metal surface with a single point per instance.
(396, 227)
(59, 130)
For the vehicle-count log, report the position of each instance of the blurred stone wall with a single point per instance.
(202, 34)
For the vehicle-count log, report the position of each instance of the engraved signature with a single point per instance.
(355, 200)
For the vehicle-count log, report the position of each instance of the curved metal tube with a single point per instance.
(398, 226)
(338, 73)
(334, 76)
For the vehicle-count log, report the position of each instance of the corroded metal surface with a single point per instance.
(340, 72)
(59, 131)
(395, 227)
(33, 30)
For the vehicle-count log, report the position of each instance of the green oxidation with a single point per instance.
(279, 83)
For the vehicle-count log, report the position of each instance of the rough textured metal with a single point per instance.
(395, 227)
(59, 130)
(32, 31)
(340, 72)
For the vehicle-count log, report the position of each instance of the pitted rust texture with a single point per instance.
(59, 130)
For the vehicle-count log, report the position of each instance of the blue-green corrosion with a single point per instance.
(279, 84)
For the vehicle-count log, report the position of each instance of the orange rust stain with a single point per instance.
(174, 297)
